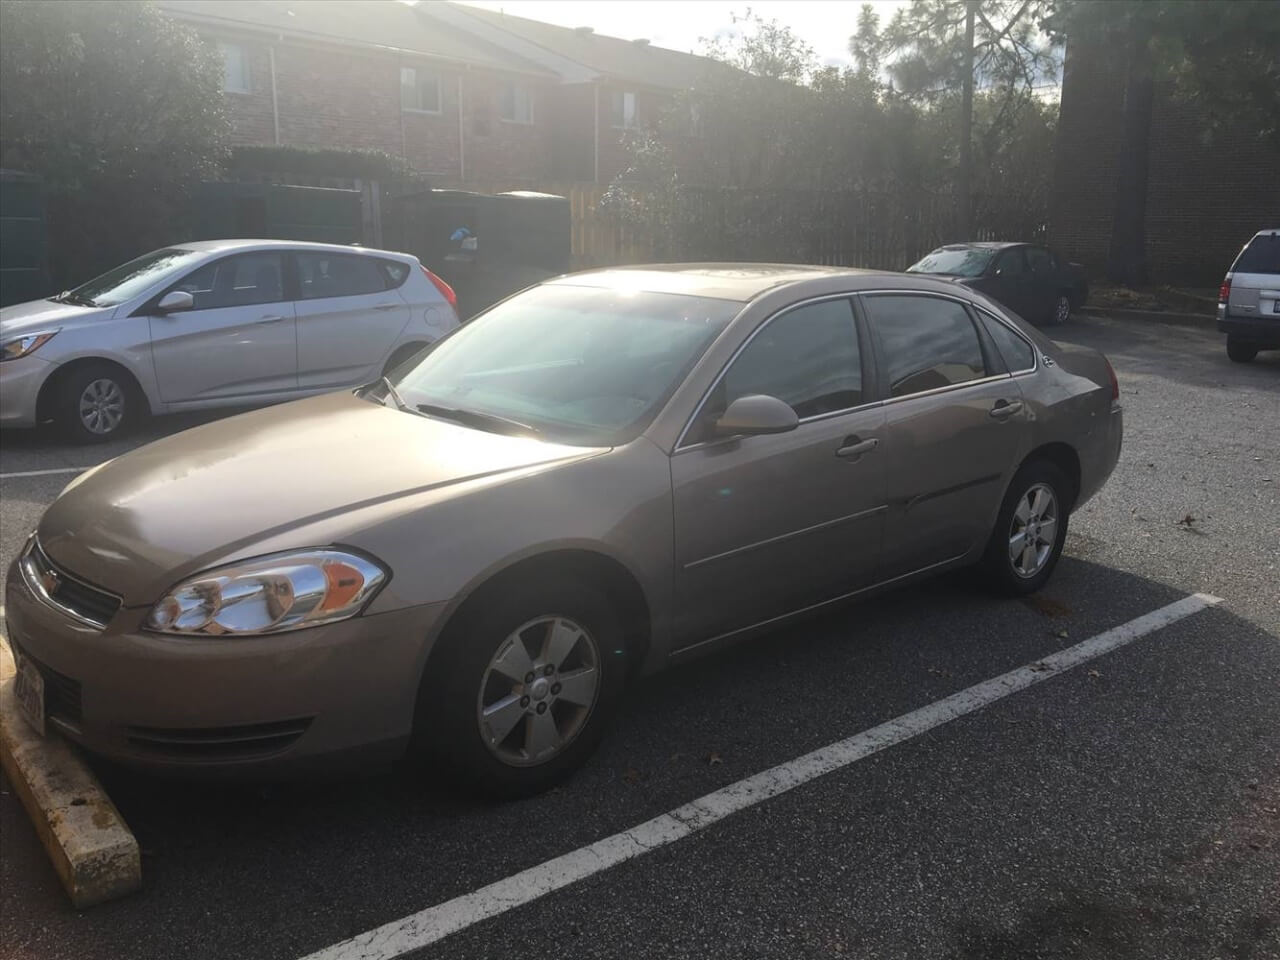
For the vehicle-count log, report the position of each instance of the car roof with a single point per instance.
(987, 245)
(234, 245)
(720, 281)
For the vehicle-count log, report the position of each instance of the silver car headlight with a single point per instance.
(271, 594)
(21, 346)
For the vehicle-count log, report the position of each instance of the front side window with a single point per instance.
(419, 90)
(580, 365)
(1017, 353)
(515, 102)
(238, 281)
(925, 342)
(322, 275)
(1011, 263)
(1039, 260)
(623, 109)
(235, 67)
(807, 357)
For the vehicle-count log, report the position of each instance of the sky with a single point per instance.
(825, 25)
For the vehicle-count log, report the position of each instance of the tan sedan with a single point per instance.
(602, 475)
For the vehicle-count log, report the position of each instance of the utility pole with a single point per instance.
(964, 181)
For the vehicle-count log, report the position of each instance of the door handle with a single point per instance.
(386, 306)
(1004, 409)
(272, 319)
(855, 447)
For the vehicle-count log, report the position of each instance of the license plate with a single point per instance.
(28, 690)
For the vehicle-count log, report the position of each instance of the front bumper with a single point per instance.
(330, 696)
(20, 382)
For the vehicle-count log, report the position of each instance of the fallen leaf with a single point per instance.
(632, 776)
(1038, 667)
(1047, 606)
(1187, 521)
(1096, 674)
(1061, 634)
(713, 758)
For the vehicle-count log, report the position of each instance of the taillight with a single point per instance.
(1115, 384)
(446, 291)
(1224, 291)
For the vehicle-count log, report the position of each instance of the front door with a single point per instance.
(238, 340)
(955, 428)
(348, 318)
(1010, 282)
(767, 525)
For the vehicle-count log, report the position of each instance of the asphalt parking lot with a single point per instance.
(1129, 807)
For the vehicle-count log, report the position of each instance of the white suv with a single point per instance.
(215, 323)
(1249, 301)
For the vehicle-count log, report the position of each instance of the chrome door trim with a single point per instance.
(697, 410)
(785, 536)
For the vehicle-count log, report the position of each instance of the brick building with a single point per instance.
(1205, 197)
(467, 96)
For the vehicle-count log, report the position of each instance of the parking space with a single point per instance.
(1128, 807)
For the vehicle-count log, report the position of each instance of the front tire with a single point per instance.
(1030, 530)
(523, 687)
(1061, 310)
(1240, 351)
(95, 403)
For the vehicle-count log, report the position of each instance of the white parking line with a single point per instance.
(426, 927)
(43, 473)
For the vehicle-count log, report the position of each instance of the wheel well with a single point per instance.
(606, 574)
(46, 398)
(401, 354)
(1064, 457)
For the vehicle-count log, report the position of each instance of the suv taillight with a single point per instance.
(1224, 291)
(446, 291)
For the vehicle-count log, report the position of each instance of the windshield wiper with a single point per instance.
(66, 296)
(474, 418)
(394, 394)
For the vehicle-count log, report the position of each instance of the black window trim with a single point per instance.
(1035, 354)
(288, 283)
(967, 306)
(860, 332)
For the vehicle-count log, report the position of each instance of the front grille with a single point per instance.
(218, 743)
(65, 590)
(61, 693)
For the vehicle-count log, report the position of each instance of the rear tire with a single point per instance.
(96, 402)
(460, 715)
(1240, 351)
(1030, 530)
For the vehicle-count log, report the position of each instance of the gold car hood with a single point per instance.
(138, 522)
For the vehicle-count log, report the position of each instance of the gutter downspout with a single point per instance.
(595, 140)
(275, 103)
(462, 142)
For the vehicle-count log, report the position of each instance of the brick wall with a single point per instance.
(346, 97)
(1204, 199)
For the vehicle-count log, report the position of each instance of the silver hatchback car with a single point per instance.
(602, 475)
(214, 323)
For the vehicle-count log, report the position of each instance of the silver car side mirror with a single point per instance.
(756, 414)
(176, 300)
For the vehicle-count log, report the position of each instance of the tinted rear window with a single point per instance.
(1262, 255)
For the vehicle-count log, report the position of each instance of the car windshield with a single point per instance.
(954, 262)
(579, 365)
(130, 279)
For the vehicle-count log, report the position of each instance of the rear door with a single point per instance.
(238, 340)
(1255, 279)
(349, 316)
(955, 426)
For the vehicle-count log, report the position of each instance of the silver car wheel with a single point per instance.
(533, 704)
(1033, 530)
(1062, 310)
(101, 406)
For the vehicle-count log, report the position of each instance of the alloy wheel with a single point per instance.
(101, 406)
(1033, 530)
(1062, 310)
(538, 691)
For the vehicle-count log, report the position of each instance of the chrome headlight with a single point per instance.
(21, 346)
(271, 594)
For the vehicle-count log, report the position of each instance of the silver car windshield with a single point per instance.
(578, 365)
(130, 279)
(954, 263)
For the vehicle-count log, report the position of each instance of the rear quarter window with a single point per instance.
(1261, 255)
(396, 272)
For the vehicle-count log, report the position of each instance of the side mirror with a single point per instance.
(756, 414)
(175, 300)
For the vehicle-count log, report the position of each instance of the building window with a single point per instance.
(235, 67)
(622, 109)
(515, 102)
(419, 90)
